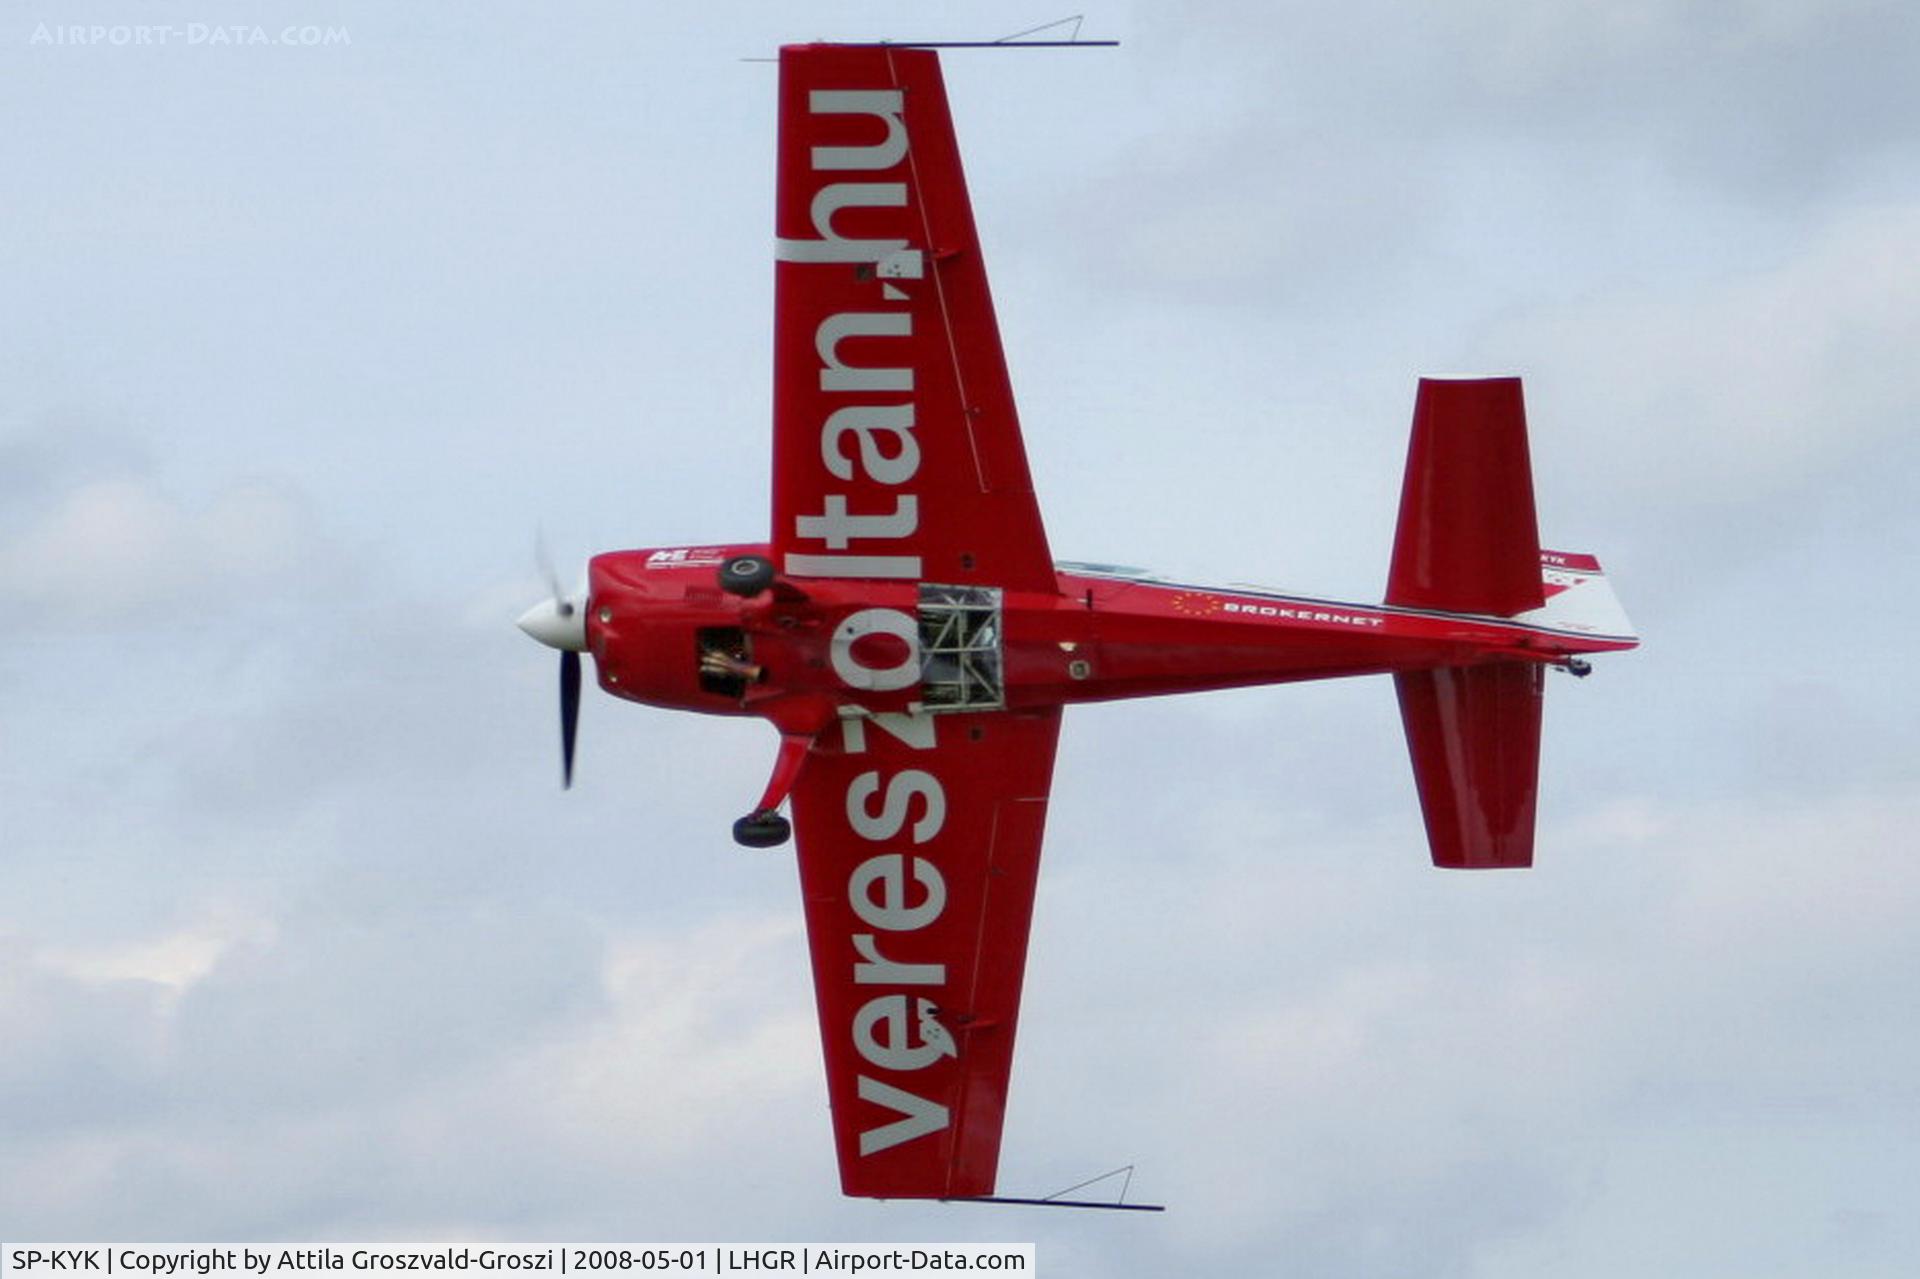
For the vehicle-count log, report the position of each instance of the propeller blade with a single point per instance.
(569, 712)
(543, 556)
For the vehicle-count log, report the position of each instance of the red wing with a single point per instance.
(919, 845)
(896, 450)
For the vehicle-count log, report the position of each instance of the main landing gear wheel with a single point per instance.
(746, 575)
(762, 829)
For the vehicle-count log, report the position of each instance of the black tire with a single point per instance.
(762, 830)
(746, 575)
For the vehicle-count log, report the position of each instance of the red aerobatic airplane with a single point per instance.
(909, 634)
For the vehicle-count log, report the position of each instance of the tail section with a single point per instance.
(1467, 541)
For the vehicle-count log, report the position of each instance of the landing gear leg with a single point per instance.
(764, 827)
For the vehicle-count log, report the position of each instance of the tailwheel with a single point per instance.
(746, 575)
(762, 828)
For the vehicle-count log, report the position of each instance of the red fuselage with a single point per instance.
(1100, 636)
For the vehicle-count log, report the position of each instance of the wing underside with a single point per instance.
(897, 451)
(919, 848)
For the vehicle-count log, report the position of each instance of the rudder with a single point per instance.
(1467, 540)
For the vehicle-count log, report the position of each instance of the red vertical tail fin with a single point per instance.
(1467, 541)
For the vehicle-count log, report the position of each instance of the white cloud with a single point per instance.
(117, 550)
(1744, 389)
(1376, 1038)
(174, 959)
(1306, 1039)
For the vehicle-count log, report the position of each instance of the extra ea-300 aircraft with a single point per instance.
(911, 637)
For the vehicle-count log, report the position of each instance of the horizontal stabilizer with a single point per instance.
(1467, 541)
(1474, 735)
(1580, 602)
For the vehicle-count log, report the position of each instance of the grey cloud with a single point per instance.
(1778, 99)
(299, 938)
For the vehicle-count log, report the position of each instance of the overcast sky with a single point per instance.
(300, 345)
